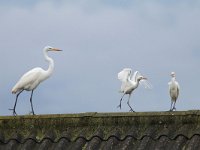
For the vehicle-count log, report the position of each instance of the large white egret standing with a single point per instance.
(30, 80)
(130, 83)
(173, 90)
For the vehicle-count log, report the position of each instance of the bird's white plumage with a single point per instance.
(123, 77)
(174, 89)
(124, 74)
(130, 82)
(30, 80)
(134, 76)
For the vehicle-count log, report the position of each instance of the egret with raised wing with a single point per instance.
(173, 91)
(130, 83)
(30, 80)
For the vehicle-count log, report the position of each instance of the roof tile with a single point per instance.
(151, 130)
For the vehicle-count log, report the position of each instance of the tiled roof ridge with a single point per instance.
(100, 138)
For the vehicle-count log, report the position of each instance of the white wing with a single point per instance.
(174, 89)
(29, 80)
(124, 74)
(123, 77)
(135, 75)
(178, 87)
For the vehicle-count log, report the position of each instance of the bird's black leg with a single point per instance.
(131, 109)
(31, 102)
(14, 112)
(120, 101)
(171, 106)
(174, 108)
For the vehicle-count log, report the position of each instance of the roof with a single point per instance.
(106, 131)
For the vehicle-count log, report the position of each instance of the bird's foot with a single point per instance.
(31, 112)
(174, 109)
(119, 106)
(14, 112)
(131, 110)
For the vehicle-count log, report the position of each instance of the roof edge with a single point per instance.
(105, 114)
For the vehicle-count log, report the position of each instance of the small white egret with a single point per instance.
(130, 83)
(30, 80)
(173, 91)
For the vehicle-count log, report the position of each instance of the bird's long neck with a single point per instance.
(50, 69)
(173, 79)
(137, 81)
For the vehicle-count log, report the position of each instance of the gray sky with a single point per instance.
(99, 38)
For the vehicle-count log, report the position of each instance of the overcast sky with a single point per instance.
(99, 38)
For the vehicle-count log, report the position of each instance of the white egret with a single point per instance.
(173, 91)
(30, 80)
(130, 83)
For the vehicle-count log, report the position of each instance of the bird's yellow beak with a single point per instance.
(56, 49)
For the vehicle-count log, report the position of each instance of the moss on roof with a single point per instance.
(101, 124)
